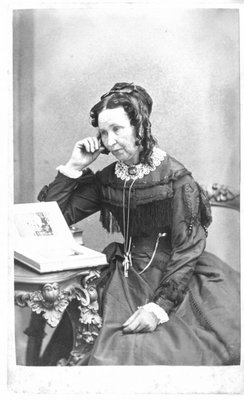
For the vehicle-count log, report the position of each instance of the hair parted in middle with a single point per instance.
(137, 104)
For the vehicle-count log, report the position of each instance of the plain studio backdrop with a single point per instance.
(187, 59)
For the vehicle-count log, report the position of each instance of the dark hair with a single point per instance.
(138, 106)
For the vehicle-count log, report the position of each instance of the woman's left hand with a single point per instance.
(141, 321)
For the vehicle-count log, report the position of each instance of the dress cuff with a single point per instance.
(161, 315)
(70, 173)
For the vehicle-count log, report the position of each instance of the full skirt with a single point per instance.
(203, 330)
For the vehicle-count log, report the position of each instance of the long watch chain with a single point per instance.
(126, 228)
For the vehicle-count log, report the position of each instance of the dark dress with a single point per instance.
(199, 292)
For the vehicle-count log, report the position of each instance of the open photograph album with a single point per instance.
(43, 240)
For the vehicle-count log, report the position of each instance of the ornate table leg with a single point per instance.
(85, 320)
(49, 304)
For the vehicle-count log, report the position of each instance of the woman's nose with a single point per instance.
(111, 139)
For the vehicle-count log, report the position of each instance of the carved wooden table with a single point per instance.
(49, 295)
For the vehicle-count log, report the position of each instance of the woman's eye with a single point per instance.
(116, 129)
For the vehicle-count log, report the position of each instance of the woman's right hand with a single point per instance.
(84, 153)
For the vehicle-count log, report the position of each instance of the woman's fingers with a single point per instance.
(135, 323)
(90, 144)
(131, 319)
(140, 321)
(93, 143)
(84, 153)
(134, 326)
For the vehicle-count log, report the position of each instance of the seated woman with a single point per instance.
(163, 300)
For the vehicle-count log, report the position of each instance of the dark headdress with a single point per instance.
(133, 90)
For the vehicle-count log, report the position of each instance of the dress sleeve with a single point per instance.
(77, 198)
(188, 239)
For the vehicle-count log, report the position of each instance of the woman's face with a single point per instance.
(118, 135)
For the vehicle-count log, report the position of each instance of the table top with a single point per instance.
(25, 274)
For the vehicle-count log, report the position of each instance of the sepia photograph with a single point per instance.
(128, 116)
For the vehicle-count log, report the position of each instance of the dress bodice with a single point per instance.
(150, 198)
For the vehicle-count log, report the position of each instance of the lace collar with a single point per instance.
(127, 172)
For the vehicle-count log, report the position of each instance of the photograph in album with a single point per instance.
(43, 240)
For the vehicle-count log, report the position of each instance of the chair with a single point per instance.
(224, 236)
(223, 196)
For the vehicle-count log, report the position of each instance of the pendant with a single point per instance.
(132, 170)
(126, 264)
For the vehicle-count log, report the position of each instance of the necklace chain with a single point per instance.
(126, 225)
(138, 171)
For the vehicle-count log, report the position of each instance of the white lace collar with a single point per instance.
(127, 172)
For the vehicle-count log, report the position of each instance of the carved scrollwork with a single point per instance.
(223, 196)
(74, 358)
(21, 298)
(50, 301)
(87, 323)
(220, 193)
(90, 278)
(90, 320)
